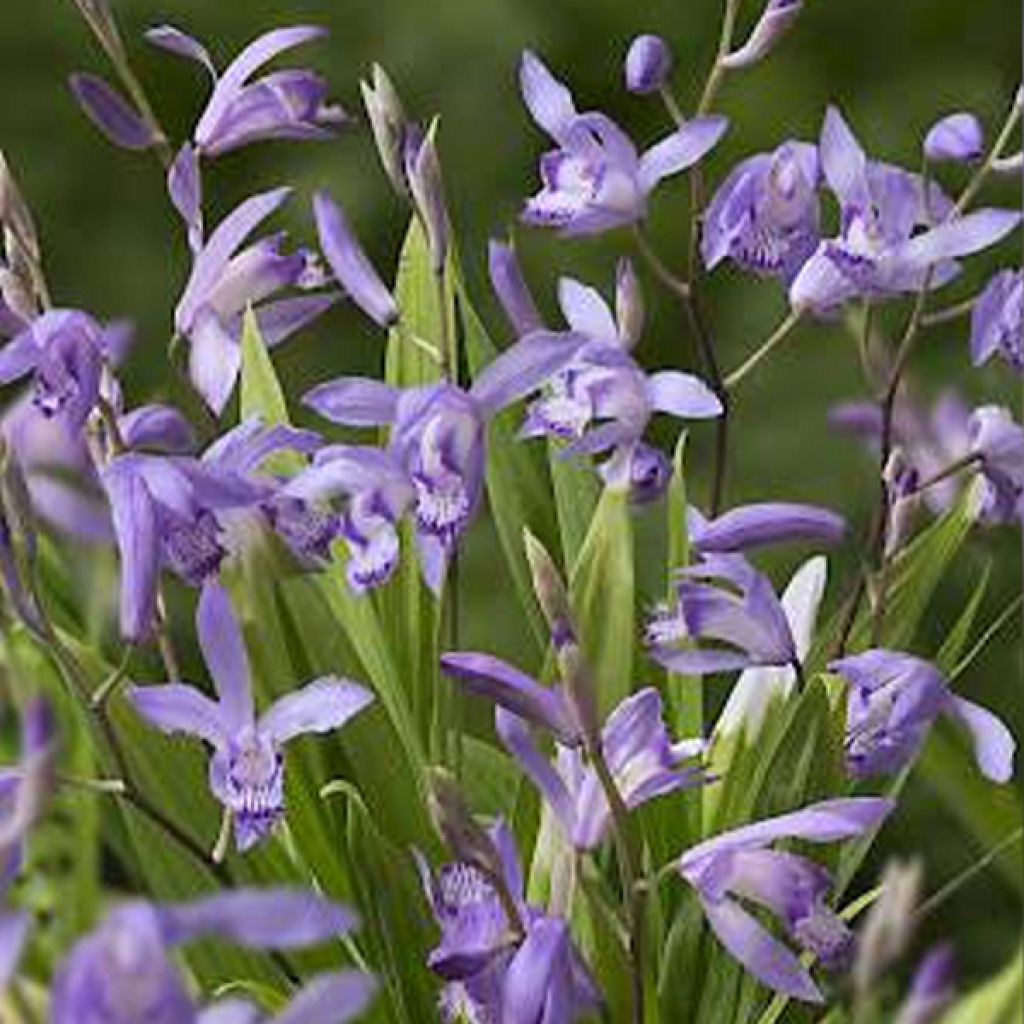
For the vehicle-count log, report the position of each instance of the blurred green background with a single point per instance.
(114, 247)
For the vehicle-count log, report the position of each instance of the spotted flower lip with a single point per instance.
(997, 321)
(765, 216)
(643, 760)
(894, 700)
(247, 766)
(289, 104)
(123, 971)
(595, 179)
(227, 279)
(741, 864)
(877, 252)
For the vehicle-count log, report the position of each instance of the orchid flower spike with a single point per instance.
(123, 971)
(742, 866)
(595, 179)
(894, 700)
(247, 766)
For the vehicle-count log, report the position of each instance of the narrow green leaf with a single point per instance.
(261, 393)
(577, 492)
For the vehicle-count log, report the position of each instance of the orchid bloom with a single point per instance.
(741, 865)
(877, 252)
(438, 437)
(247, 766)
(490, 972)
(123, 972)
(894, 700)
(997, 321)
(764, 216)
(595, 179)
(290, 104)
(227, 279)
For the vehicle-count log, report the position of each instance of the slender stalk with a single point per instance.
(734, 379)
(944, 316)
(718, 70)
(982, 642)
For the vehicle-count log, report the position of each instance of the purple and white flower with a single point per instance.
(247, 766)
(741, 865)
(894, 700)
(997, 321)
(595, 179)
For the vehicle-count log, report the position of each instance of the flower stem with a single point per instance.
(718, 69)
(763, 351)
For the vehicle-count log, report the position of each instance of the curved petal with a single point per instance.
(320, 706)
(354, 401)
(683, 395)
(522, 368)
(586, 311)
(173, 40)
(754, 525)
(115, 117)
(776, 20)
(511, 289)
(220, 638)
(681, 149)
(843, 161)
(178, 707)
(700, 662)
(959, 237)
(19, 356)
(280, 319)
(157, 426)
(759, 951)
(231, 1011)
(329, 999)
(548, 100)
(528, 978)
(994, 745)
(262, 918)
(184, 185)
(13, 932)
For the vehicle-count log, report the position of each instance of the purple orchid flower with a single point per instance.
(123, 971)
(64, 350)
(741, 865)
(170, 511)
(894, 699)
(722, 598)
(602, 399)
(247, 766)
(290, 104)
(595, 180)
(764, 216)
(644, 763)
(226, 281)
(763, 523)
(998, 442)
(517, 972)
(997, 321)
(438, 436)
(877, 253)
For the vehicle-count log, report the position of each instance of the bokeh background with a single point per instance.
(113, 245)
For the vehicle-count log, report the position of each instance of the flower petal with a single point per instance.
(683, 395)
(843, 161)
(548, 100)
(701, 662)
(958, 237)
(320, 706)
(220, 638)
(958, 137)
(13, 932)
(215, 360)
(586, 311)
(173, 40)
(184, 185)
(354, 401)
(115, 117)
(178, 707)
(160, 427)
(994, 745)
(750, 526)
(511, 288)
(776, 20)
(329, 999)
(681, 149)
(528, 978)
(280, 319)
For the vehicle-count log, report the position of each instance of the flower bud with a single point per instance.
(775, 21)
(423, 170)
(551, 591)
(650, 471)
(387, 121)
(902, 481)
(932, 988)
(648, 64)
(958, 137)
(455, 824)
(629, 303)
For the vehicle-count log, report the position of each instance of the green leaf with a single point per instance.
(997, 1001)
(601, 592)
(606, 947)
(577, 492)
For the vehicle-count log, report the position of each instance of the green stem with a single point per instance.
(985, 168)
(718, 70)
(764, 350)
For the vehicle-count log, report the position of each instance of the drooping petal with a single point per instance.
(184, 185)
(350, 264)
(115, 117)
(586, 312)
(178, 707)
(522, 368)
(511, 289)
(548, 100)
(329, 999)
(220, 638)
(138, 542)
(320, 706)
(683, 395)
(354, 401)
(160, 427)
(755, 525)
(776, 20)
(682, 149)
(759, 951)
(994, 745)
(173, 40)
(262, 918)
(230, 1011)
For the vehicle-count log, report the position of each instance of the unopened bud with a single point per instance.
(958, 137)
(902, 482)
(552, 595)
(648, 64)
(775, 21)
(629, 303)
(387, 122)
(423, 169)
(581, 691)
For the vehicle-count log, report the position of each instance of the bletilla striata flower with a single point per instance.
(894, 700)
(123, 972)
(877, 252)
(247, 767)
(438, 437)
(741, 867)
(227, 279)
(288, 104)
(997, 321)
(517, 972)
(595, 179)
(764, 216)
(171, 511)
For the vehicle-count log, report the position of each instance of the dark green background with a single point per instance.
(114, 247)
